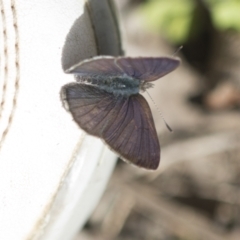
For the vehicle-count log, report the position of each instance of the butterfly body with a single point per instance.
(105, 102)
(117, 85)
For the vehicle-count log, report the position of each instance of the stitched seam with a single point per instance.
(17, 78)
(5, 52)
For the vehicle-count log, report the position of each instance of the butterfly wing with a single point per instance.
(141, 68)
(148, 69)
(125, 124)
(90, 107)
(133, 134)
(104, 66)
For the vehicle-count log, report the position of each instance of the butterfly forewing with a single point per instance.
(124, 123)
(97, 66)
(146, 69)
(133, 134)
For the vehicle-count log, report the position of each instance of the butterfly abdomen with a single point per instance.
(117, 85)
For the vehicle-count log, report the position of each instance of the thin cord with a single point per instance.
(168, 127)
(178, 50)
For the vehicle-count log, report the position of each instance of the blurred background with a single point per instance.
(195, 193)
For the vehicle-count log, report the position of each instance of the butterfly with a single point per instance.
(105, 102)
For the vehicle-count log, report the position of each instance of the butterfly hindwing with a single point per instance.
(90, 107)
(124, 123)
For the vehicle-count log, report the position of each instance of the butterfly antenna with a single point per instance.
(178, 50)
(168, 127)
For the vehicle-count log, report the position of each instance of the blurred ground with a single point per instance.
(195, 193)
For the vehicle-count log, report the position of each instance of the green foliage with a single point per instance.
(225, 14)
(174, 18)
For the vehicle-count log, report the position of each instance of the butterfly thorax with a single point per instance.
(118, 85)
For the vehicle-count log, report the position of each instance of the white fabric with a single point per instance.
(48, 167)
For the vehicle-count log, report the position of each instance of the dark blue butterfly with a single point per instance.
(105, 102)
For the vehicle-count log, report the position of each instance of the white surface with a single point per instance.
(80, 191)
(40, 142)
